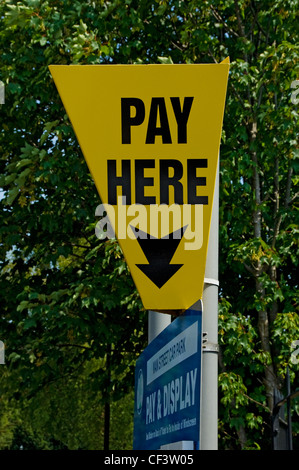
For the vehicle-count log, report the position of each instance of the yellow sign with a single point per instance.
(150, 135)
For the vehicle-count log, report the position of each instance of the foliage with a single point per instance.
(67, 299)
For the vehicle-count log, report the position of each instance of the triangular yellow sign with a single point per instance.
(150, 135)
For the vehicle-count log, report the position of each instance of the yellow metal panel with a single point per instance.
(172, 118)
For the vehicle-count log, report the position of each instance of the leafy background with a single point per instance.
(71, 319)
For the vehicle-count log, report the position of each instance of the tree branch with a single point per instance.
(277, 217)
(240, 24)
(63, 345)
(288, 188)
(255, 12)
(219, 18)
(257, 402)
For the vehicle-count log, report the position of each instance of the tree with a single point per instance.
(65, 295)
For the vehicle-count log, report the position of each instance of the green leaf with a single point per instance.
(165, 60)
(43, 41)
(29, 323)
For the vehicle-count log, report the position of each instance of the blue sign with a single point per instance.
(167, 385)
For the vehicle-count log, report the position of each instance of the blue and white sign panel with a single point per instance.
(167, 385)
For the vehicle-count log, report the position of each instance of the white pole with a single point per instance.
(156, 323)
(209, 403)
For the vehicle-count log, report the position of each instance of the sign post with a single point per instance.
(209, 416)
(157, 322)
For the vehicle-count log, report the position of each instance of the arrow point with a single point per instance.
(159, 276)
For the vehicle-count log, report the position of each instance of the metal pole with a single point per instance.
(209, 403)
(156, 323)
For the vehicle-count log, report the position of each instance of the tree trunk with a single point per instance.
(270, 380)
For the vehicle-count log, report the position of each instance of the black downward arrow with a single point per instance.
(159, 252)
